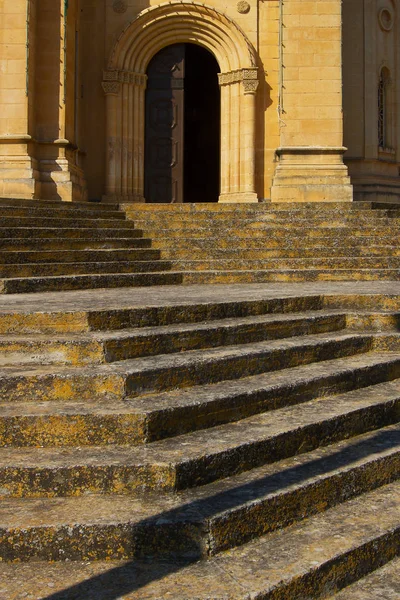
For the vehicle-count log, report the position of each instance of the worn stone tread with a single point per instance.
(157, 416)
(382, 584)
(108, 346)
(202, 456)
(76, 269)
(167, 371)
(327, 551)
(220, 515)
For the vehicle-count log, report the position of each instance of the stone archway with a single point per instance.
(124, 84)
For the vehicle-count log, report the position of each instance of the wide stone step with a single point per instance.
(383, 583)
(18, 245)
(65, 222)
(62, 211)
(200, 457)
(283, 231)
(284, 241)
(257, 253)
(59, 255)
(320, 555)
(99, 207)
(96, 348)
(54, 269)
(168, 371)
(26, 285)
(288, 275)
(299, 263)
(154, 417)
(95, 233)
(201, 522)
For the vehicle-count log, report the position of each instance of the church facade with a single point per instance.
(229, 101)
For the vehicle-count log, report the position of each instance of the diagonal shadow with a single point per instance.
(136, 574)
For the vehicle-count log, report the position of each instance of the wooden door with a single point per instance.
(164, 151)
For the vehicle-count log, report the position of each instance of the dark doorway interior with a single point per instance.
(182, 145)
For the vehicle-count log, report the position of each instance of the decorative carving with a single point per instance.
(386, 19)
(119, 6)
(125, 77)
(250, 86)
(111, 87)
(243, 7)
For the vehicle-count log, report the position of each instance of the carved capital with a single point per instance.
(130, 77)
(250, 86)
(111, 87)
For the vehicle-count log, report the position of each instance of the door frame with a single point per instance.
(124, 84)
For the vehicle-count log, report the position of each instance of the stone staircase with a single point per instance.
(230, 442)
(50, 246)
(213, 243)
(46, 246)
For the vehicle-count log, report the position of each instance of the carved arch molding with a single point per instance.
(124, 83)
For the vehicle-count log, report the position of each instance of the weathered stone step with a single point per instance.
(288, 275)
(95, 206)
(157, 307)
(62, 211)
(55, 269)
(261, 252)
(105, 347)
(299, 263)
(96, 233)
(71, 244)
(74, 256)
(384, 584)
(201, 522)
(26, 285)
(65, 222)
(274, 242)
(323, 554)
(283, 232)
(251, 208)
(168, 371)
(153, 417)
(200, 457)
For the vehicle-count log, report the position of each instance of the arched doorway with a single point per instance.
(125, 81)
(182, 126)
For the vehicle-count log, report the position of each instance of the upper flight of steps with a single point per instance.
(200, 450)
(48, 246)
(214, 243)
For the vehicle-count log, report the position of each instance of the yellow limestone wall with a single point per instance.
(53, 106)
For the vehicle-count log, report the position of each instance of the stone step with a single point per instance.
(85, 311)
(384, 584)
(65, 222)
(54, 269)
(321, 554)
(75, 256)
(167, 371)
(25, 285)
(111, 346)
(62, 211)
(205, 521)
(273, 242)
(288, 275)
(251, 208)
(71, 244)
(68, 232)
(200, 457)
(153, 417)
(207, 252)
(299, 263)
(93, 206)
(283, 232)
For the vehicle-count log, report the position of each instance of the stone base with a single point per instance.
(120, 199)
(238, 197)
(311, 174)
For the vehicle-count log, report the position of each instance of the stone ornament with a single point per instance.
(243, 7)
(119, 6)
(386, 19)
